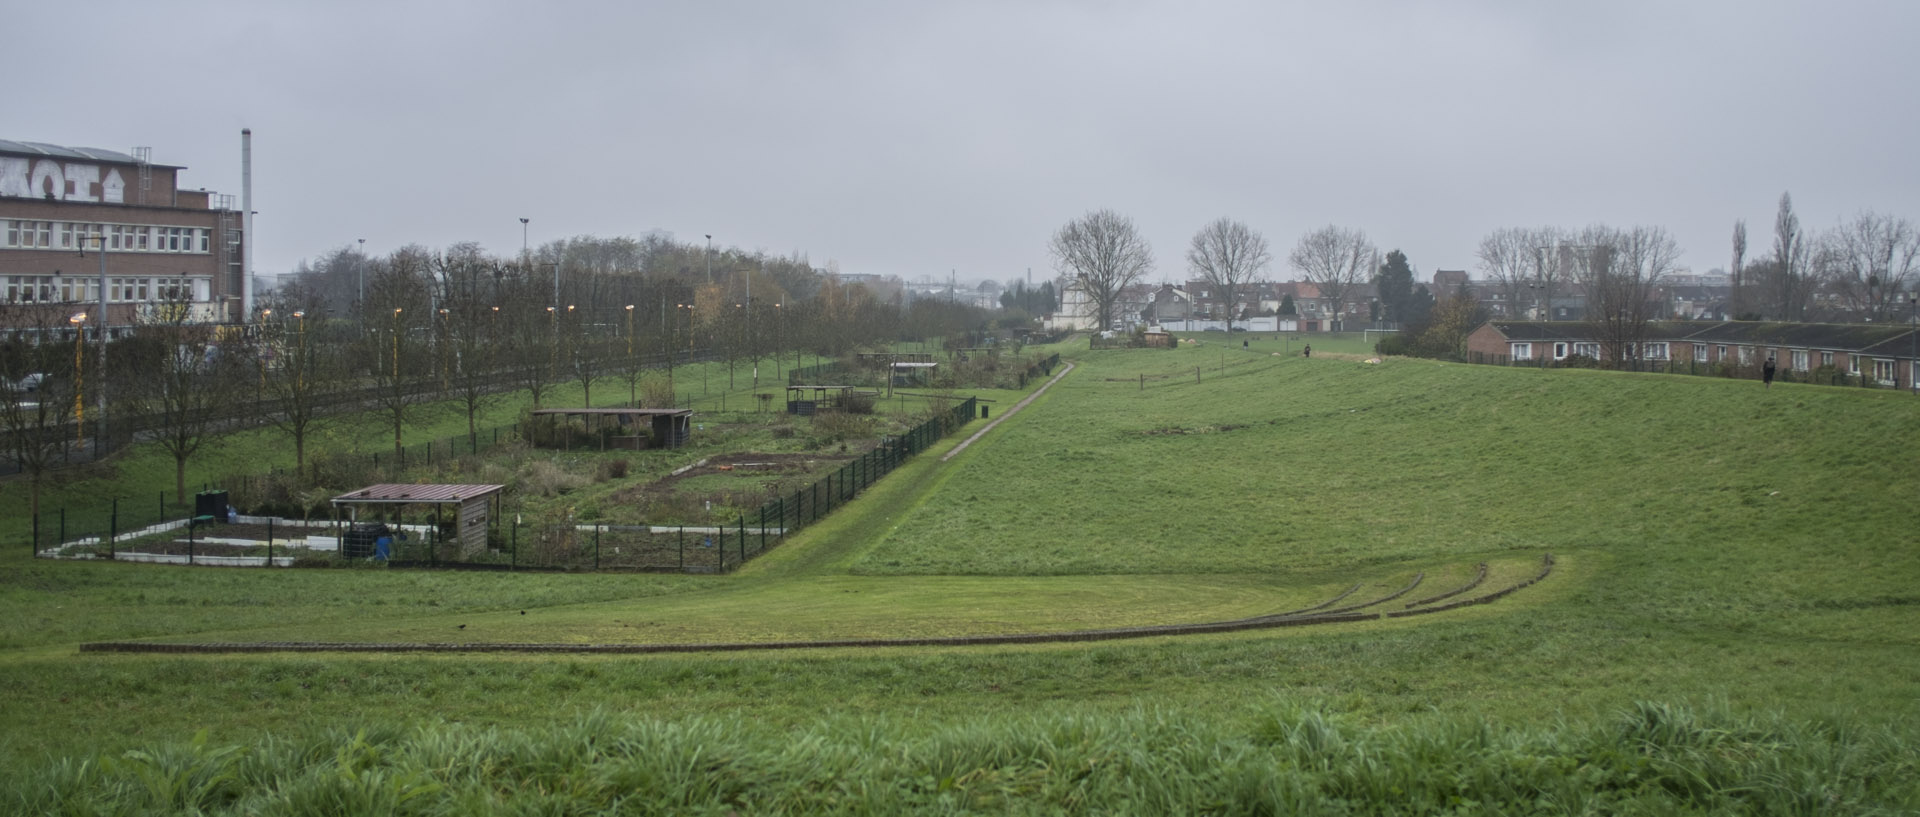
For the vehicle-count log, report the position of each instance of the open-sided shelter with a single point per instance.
(471, 506)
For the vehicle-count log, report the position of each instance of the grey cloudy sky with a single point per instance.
(917, 138)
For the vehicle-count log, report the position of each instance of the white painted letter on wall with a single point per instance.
(13, 177)
(82, 178)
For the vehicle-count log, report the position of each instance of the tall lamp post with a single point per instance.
(1913, 341)
(446, 338)
(396, 344)
(260, 358)
(78, 319)
(633, 385)
(361, 297)
(709, 258)
(100, 338)
(300, 381)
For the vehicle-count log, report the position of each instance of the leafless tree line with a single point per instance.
(417, 326)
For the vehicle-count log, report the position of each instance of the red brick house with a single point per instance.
(1878, 354)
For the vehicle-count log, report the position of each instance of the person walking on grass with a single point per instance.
(1766, 373)
(1307, 351)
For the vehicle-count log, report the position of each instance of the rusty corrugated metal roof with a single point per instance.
(404, 493)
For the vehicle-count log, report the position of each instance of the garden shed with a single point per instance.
(471, 507)
(626, 428)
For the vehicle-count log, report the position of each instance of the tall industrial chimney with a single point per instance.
(246, 225)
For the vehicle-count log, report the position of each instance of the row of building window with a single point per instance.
(22, 234)
(1647, 351)
(31, 289)
(1799, 359)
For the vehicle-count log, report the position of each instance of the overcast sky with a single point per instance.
(918, 138)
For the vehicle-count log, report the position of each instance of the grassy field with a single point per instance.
(1730, 627)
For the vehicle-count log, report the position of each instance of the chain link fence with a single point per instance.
(166, 532)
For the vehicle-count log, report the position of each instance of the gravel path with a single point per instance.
(1009, 413)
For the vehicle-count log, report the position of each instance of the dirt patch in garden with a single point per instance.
(787, 467)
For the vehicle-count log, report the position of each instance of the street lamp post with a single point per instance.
(361, 297)
(396, 344)
(446, 336)
(100, 338)
(633, 383)
(523, 240)
(300, 378)
(78, 319)
(573, 358)
(709, 258)
(553, 340)
(260, 359)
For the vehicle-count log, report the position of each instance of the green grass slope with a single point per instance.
(1743, 559)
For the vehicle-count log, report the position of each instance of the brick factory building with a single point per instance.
(167, 249)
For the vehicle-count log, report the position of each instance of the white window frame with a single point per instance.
(1654, 349)
(1700, 351)
(1587, 349)
(1885, 371)
(1560, 350)
(1826, 360)
(1521, 350)
(1800, 359)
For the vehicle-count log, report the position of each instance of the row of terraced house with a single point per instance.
(1868, 354)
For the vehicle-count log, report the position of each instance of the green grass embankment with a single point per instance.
(1739, 557)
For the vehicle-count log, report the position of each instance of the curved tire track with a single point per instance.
(1259, 623)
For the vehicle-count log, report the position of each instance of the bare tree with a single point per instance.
(1622, 271)
(472, 332)
(1335, 259)
(296, 370)
(41, 379)
(1523, 261)
(1790, 252)
(396, 343)
(1228, 255)
(179, 375)
(1739, 267)
(1874, 259)
(1107, 254)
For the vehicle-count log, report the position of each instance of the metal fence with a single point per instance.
(1039, 368)
(511, 545)
(720, 548)
(117, 519)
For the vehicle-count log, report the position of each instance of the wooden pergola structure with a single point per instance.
(799, 402)
(472, 507)
(667, 427)
(883, 359)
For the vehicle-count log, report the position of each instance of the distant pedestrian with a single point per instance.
(1307, 351)
(1243, 344)
(1766, 373)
